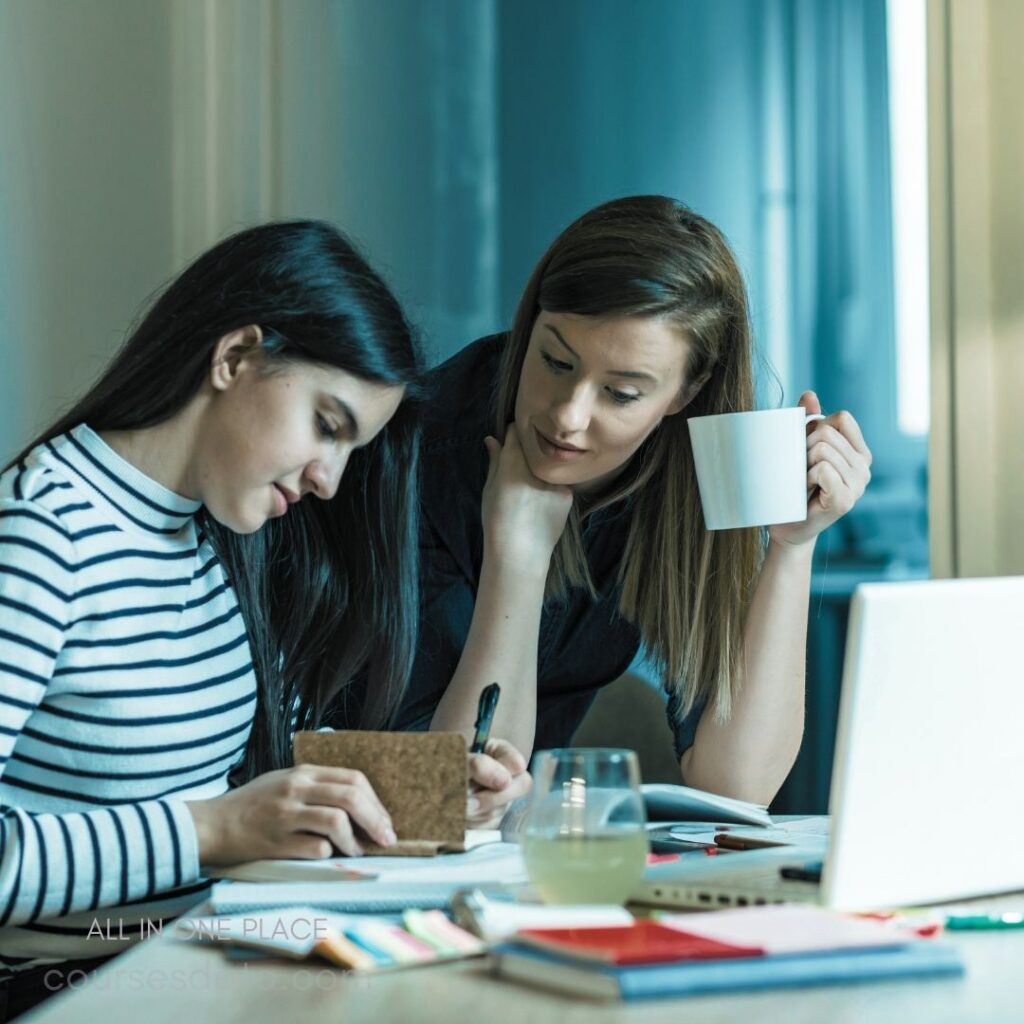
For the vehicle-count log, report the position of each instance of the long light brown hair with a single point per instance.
(686, 588)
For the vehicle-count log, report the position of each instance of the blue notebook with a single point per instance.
(695, 977)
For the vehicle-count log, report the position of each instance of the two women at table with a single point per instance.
(206, 551)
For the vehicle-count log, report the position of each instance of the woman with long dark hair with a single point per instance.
(578, 534)
(171, 609)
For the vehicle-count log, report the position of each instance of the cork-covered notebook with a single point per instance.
(420, 777)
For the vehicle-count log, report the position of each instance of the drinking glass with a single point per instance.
(585, 837)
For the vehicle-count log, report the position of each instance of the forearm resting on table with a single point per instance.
(501, 647)
(749, 756)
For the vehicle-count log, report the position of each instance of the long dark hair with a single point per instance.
(687, 589)
(333, 586)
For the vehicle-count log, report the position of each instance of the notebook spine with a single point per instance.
(362, 906)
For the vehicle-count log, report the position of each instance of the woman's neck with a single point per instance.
(163, 452)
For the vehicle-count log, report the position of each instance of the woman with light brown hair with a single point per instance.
(577, 536)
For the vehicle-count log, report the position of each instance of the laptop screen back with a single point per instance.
(927, 797)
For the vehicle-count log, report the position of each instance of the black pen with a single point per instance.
(484, 716)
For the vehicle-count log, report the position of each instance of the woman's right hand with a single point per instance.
(303, 812)
(497, 777)
(523, 517)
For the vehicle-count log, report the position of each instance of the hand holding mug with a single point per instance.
(791, 469)
(838, 472)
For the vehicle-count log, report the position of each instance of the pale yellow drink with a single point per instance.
(602, 868)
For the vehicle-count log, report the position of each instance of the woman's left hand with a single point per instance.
(838, 471)
(496, 778)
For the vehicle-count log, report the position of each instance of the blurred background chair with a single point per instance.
(631, 713)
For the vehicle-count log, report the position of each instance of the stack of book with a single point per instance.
(721, 951)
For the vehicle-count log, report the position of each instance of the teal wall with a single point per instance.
(600, 98)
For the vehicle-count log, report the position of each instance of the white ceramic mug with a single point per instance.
(752, 467)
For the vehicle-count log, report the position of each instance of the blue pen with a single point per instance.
(484, 716)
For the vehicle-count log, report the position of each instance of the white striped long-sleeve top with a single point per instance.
(126, 689)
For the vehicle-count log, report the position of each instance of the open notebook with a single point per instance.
(388, 884)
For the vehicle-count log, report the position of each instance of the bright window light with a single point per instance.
(909, 158)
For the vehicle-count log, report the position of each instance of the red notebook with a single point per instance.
(643, 942)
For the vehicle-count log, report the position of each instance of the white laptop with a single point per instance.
(927, 797)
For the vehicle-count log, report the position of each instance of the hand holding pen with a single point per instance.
(497, 771)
